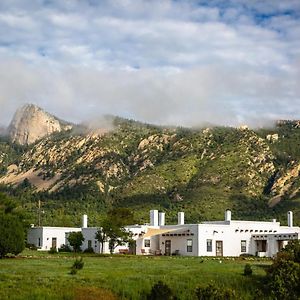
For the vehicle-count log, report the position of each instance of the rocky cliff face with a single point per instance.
(31, 123)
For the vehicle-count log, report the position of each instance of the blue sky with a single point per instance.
(166, 62)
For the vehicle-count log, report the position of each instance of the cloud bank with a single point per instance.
(165, 62)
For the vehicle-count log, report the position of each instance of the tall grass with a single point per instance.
(122, 277)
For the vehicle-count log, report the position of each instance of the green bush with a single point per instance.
(293, 249)
(31, 246)
(89, 250)
(64, 248)
(52, 250)
(212, 292)
(160, 291)
(284, 279)
(248, 270)
(78, 263)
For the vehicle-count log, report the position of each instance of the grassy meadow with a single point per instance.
(36, 275)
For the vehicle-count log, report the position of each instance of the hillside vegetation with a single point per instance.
(200, 171)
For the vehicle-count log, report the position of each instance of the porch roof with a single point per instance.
(152, 231)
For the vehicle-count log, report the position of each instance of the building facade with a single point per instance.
(45, 238)
(219, 238)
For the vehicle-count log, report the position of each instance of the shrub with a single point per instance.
(248, 270)
(214, 293)
(284, 279)
(64, 248)
(31, 246)
(246, 255)
(89, 250)
(52, 250)
(78, 264)
(293, 249)
(73, 271)
(160, 291)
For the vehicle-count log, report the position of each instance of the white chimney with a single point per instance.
(181, 218)
(228, 215)
(84, 221)
(290, 218)
(154, 217)
(161, 219)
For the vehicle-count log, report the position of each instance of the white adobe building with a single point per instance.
(218, 238)
(45, 238)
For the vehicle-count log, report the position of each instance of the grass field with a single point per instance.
(36, 275)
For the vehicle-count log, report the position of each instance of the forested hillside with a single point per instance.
(203, 171)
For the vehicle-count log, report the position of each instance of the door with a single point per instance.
(219, 248)
(132, 247)
(280, 245)
(168, 247)
(54, 243)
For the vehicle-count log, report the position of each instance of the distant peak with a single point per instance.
(31, 123)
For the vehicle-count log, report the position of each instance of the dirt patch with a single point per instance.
(93, 293)
(275, 200)
(33, 177)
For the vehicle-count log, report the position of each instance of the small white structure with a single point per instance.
(45, 238)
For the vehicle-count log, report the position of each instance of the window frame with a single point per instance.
(209, 247)
(189, 245)
(243, 246)
(147, 243)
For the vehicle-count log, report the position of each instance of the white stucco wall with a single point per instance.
(230, 233)
(42, 237)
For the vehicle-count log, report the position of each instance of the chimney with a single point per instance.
(161, 219)
(154, 217)
(181, 218)
(84, 221)
(290, 218)
(228, 215)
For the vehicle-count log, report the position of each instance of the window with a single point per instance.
(209, 245)
(243, 246)
(147, 243)
(189, 247)
(39, 242)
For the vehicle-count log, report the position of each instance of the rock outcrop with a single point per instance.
(31, 123)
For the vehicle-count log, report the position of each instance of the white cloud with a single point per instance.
(181, 62)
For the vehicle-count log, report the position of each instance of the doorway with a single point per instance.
(219, 248)
(168, 247)
(261, 246)
(280, 245)
(54, 243)
(132, 247)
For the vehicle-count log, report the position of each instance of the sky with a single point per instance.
(166, 62)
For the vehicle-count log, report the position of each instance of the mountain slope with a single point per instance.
(140, 166)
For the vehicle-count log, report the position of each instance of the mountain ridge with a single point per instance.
(141, 166)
